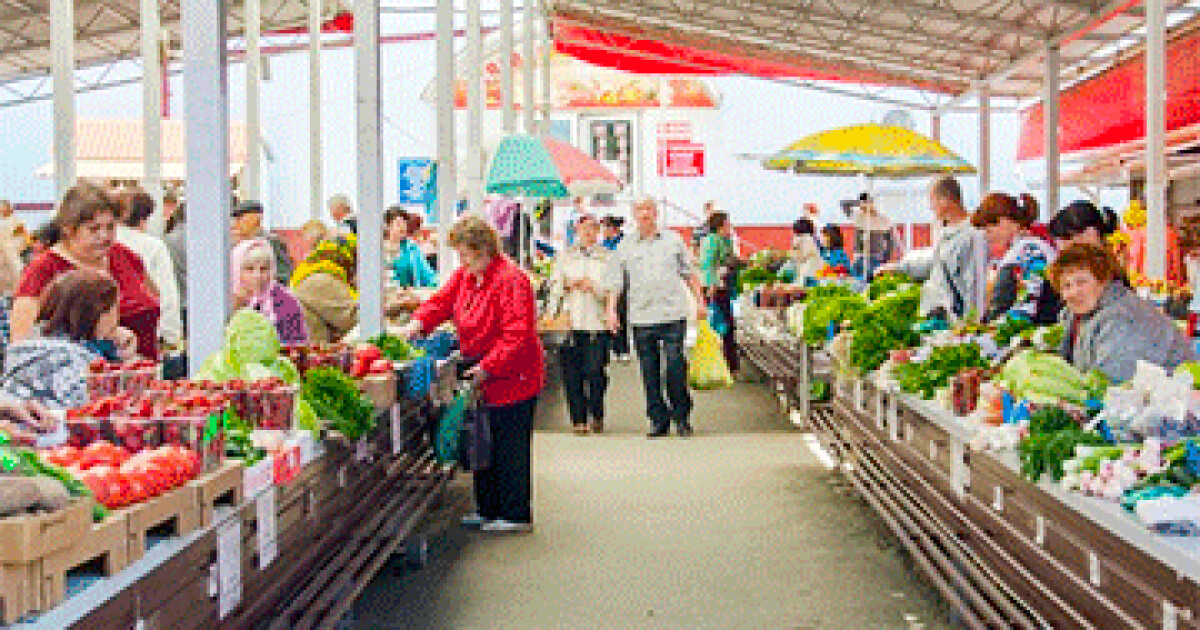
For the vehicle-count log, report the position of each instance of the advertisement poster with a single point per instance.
(680, 154)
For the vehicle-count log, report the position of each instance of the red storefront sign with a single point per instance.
(680, 159)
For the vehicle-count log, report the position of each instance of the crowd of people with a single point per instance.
(99, 283)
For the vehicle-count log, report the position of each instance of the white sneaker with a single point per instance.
(501, 526)
(474, 521)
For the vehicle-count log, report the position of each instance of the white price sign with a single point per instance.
(858, 395)
(258, 477)
(397, 430)
(893, 420)
(362, 450)
(268, 541)
(229, 567)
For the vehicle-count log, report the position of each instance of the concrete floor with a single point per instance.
(738, 527)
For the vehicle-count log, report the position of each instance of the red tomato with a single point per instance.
(62, 456)
(367, 353)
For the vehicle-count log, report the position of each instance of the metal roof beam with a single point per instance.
(805, 46)
(936, 11)
(1112, 7)
(827, 18)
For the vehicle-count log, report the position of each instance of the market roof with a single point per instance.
(108, 30)
(942, 45)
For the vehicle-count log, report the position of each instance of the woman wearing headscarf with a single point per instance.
(252, 268)
(324, 284)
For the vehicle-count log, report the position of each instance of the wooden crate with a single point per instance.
(220, 487)
(107, 542)
(19, 592)
(24, 539)
(179, 508)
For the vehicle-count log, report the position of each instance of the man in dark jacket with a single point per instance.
(247, 224)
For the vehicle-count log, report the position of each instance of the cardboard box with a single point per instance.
(107, 541)
(179, 507)
(19, 592)
(24, 539)
(220, 486)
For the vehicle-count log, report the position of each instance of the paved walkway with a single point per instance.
(739, 527)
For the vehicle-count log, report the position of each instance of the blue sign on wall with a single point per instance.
(415, 180)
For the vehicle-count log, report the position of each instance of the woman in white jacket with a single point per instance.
(579, 279)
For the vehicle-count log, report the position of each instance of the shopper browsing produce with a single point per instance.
(1019, 289)
(957, 275)
(806, 251)
(248, 224)
(719, 267)
(86, 223)
(408, 265)
(253, 272)
(1082, 222)
(833, 247)
(579, 280)
(874, 243)
(76, 325)
(491, 302)
(23, 420)
(656, 264)
(1108, 328)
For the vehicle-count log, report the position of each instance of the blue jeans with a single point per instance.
(654, 344)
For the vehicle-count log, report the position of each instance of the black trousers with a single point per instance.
(585, 375)
(505, 490)
(658, 344)
(620, 339)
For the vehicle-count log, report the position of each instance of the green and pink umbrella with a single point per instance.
(537, 166)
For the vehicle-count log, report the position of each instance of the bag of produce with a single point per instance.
(448, 448)
(706, 363)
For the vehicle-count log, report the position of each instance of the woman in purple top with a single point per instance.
(252, 269)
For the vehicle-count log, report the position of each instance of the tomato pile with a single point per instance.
(118, 479)
(369, 361)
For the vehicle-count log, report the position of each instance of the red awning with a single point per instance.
(340, 23)
(1110, 109)
(599, 46)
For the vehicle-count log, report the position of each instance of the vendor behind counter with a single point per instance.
(1108, 327)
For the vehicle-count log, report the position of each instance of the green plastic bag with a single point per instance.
(706, 363)
(449, 433)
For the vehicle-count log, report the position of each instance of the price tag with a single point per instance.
(933, 450)
(879, 404)
(229, 567)
(1170, 616)
(858, 395)
(893, 420)
(998, 501)
(287, 465)
(268, 541)
(312, 504)
(959, 474)
(308, 448)
(397, 430)
(258, 477)
(1093, 568)
(1039, 535)
(362, 450)
(342, 477)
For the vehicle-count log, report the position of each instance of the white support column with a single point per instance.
(509, 120)
(547, 48)
(935, 127)
(62, 51)
(1156, 154)
(315, 167)
(528, 70)
(206, 111)
(252, 173)
(473, 76)
(447, 173)
(152, 97)
(1050, 131)
(370, 167)
(985, 141)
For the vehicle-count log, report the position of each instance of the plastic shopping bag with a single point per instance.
(448, 448)
(706, 364)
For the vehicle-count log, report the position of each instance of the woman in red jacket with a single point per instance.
(490, 300)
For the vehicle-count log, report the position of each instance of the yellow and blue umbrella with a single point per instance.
(872, 150)
(537, 166)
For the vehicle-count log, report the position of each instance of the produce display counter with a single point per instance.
(783, 359)
(254, 549)
(1003, 551)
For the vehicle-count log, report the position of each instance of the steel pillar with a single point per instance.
(447, 173)
(62, 51)
(370, 167)
(1156, 152)
(1050, 132)
(315, 166)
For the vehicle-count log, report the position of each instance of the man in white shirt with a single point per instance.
(342, 213)
(131, 233)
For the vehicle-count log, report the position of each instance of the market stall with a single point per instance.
(270, 490)
(1031, 494)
